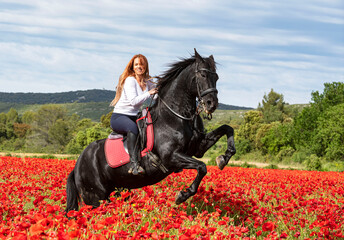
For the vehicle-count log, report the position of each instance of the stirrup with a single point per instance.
(136, 169)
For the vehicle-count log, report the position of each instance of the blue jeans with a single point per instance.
(122, 124)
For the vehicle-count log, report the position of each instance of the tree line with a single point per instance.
(48, 130)
(313, 136)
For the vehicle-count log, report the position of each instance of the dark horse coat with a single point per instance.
(179, 135)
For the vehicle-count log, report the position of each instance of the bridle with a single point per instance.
(209, 90)
(201, 105)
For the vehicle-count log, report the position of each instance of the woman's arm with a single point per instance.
(130, 88)
(152, 85)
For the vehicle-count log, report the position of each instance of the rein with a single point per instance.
(175, 113)
(168, 107)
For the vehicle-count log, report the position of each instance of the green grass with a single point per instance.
(232, 117)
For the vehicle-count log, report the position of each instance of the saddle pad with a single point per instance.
(115, 153)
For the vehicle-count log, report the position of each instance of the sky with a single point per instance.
(292, 47)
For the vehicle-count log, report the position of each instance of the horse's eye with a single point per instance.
(203, 75)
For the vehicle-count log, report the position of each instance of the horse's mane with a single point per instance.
(174, 70)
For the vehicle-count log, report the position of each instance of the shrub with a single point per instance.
(329, 136)
(243, 147)
(278, 137)
(271, 166)
(313, 163)
(247, 165)
(285, 152)
(262, 131)
(300, 156)
(333, 166)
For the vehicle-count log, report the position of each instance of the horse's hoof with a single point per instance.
(179, 198)
(221, 162)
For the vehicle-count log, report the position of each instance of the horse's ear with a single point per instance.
(197, 56)
(212, 58)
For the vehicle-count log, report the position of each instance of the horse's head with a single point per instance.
(206, 77)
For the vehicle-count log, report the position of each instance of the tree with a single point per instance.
(20, 129)
(105, 119)
(272, 107)
(39, 137)
(48, 114)
(28, 117)
(262, 131)
(85, 137)
(3, 118)
(83, 124)
(12, 116)
(333, 94)
(10, 130)
(329, 135)
(307, 122)
(252, 121)
(95, 133)
(60, 133)
(278, 137)
(3, 131)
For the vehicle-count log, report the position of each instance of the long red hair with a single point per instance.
(129, 71)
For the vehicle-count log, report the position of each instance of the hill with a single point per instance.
(87, 104)
(94, 95)
(232, 107)
(85, 96)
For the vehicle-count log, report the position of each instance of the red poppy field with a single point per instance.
(236, 203)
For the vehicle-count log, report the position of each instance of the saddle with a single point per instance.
(116, 151)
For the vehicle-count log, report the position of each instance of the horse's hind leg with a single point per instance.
(91, 199)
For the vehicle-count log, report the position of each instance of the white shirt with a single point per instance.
(132, 97)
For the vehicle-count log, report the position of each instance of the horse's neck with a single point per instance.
(179, 96)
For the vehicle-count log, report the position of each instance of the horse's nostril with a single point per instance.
(209, 103)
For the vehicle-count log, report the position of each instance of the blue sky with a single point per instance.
(293, 47)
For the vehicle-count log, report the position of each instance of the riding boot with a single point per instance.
(134, 148)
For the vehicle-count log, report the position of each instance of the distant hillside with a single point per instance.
(86, 96)
(231, 107)
(94, 95)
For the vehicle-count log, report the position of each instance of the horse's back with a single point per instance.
(92, 154)
(93, 170)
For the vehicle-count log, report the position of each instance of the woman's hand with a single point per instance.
(153, 91)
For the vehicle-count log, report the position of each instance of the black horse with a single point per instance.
(179, 135)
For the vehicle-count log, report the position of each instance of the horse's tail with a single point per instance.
(73, 197)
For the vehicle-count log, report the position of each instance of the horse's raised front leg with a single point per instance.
(211, 138)
(182, 161)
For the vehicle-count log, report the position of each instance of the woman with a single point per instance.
(132, 90)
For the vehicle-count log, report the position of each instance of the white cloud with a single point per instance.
(292, 47)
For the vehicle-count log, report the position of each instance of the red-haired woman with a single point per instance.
(132, 90)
